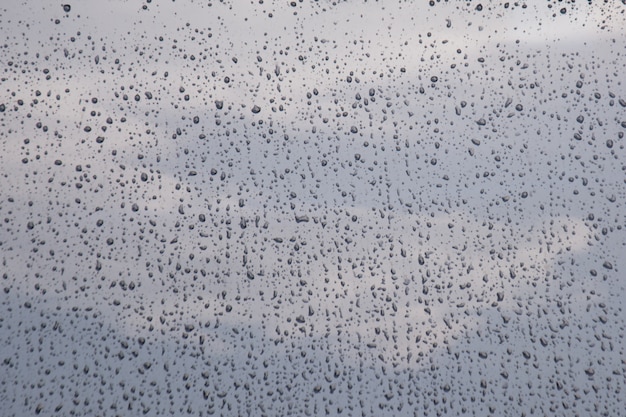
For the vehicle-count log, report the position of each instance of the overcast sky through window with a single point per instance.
(261, 208)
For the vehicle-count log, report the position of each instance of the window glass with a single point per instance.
(312, 208)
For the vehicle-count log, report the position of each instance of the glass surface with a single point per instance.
(361, 208)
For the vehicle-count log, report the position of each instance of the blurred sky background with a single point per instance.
(312, 208)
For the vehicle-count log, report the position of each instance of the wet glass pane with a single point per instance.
(261, 208)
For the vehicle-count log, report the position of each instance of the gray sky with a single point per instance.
(359, 208)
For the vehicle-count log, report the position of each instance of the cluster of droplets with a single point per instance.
(311, 209)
